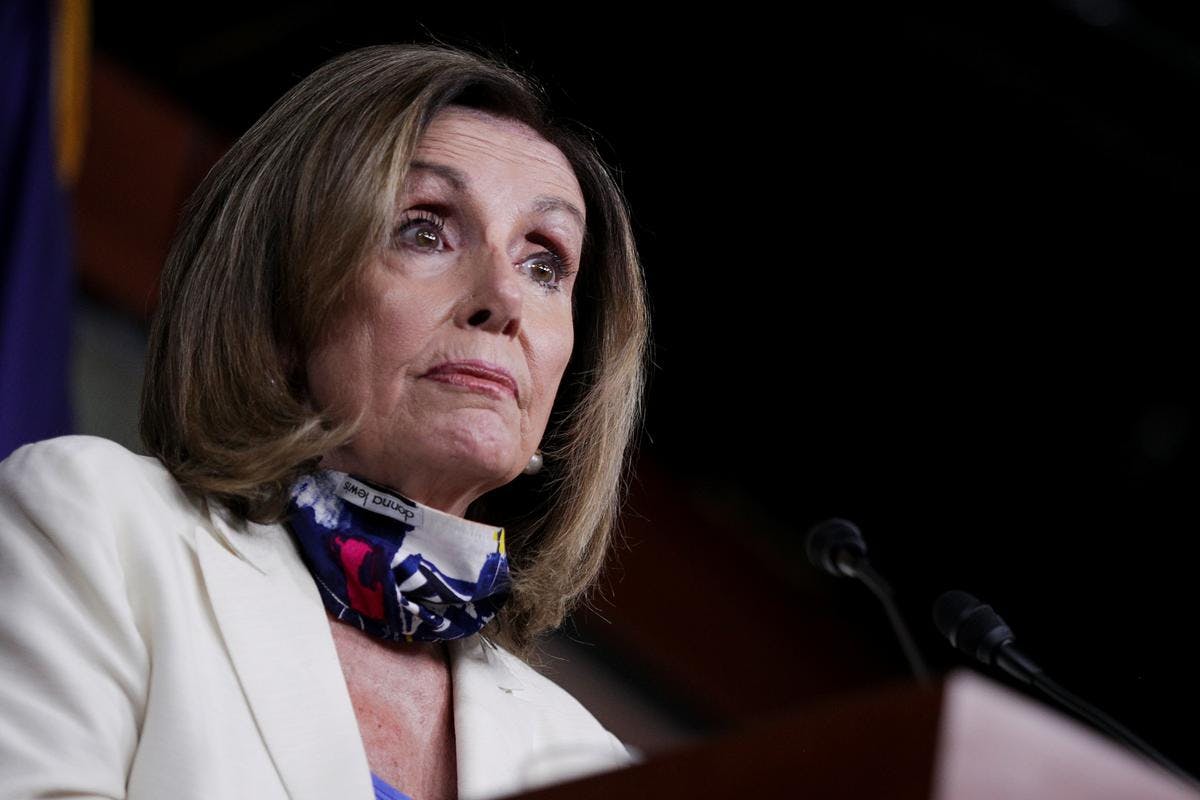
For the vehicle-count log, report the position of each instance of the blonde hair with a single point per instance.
(272, 242)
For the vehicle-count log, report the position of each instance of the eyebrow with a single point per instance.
(542, 204)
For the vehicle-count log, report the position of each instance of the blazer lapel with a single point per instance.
(493, 721)
(277, 633)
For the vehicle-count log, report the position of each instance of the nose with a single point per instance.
(494, 299)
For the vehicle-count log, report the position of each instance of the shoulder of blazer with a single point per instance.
(116, 522)
(123, 481)
(131, 492)
(98, 468)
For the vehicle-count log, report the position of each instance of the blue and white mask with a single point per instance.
(397, 569)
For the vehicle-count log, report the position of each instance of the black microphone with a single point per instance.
(837, 547)
(978, 631)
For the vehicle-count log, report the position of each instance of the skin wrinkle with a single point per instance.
(421, 171)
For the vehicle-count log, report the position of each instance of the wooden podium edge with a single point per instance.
(876, 743)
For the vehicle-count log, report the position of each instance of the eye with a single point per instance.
(429, 227)
(548, 269)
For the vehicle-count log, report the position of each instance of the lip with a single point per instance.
(475, 374)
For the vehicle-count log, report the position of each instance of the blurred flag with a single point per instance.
(44, 47)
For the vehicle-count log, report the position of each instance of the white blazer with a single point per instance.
(151, 647)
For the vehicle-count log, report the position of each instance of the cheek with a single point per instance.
(552, 366)
(398, 323)
(401, 336)
(333, 368)
(408, 311)
(565, 350)
(343, 369)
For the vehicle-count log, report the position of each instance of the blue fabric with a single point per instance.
(395, 568)
(385, 791)
(36, 279)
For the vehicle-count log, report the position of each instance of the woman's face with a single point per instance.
(462, 327)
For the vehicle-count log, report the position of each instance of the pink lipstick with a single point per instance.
(480, 376)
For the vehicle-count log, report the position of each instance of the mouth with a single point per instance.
(479, 376)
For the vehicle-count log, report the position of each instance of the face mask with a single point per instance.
(395, 568)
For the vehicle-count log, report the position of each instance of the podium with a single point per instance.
(969, 738)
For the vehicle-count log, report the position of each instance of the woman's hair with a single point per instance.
(275, 239)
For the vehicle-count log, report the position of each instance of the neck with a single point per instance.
(444, 494)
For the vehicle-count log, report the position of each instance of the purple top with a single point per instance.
(385, 791)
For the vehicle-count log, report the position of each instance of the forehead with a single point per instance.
(463, 146)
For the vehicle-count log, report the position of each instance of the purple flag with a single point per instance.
(36, 247)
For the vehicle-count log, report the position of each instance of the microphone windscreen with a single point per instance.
(826, 539)
(971, 626)
(949, 609)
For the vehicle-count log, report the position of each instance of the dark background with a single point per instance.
(928, 270)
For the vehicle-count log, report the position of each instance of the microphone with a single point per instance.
(978, 631)
(837, 547)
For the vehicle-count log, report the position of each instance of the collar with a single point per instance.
(238, 536)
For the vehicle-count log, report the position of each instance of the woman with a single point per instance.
(406, 300)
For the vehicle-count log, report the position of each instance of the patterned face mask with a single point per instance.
(397, 569)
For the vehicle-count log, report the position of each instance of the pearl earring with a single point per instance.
(535, 463)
